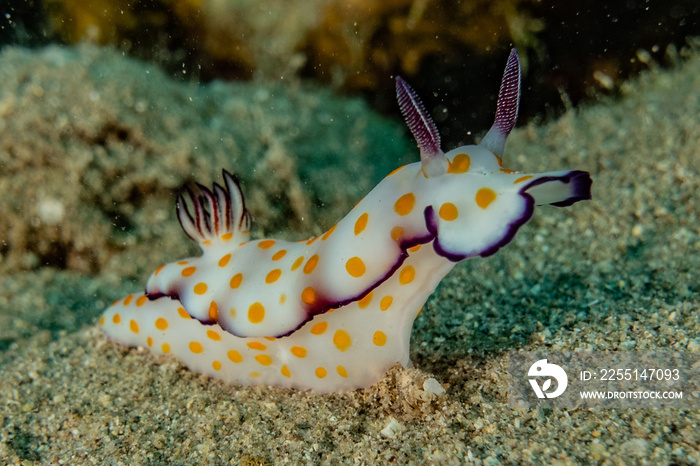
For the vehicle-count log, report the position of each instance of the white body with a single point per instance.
(333, 313)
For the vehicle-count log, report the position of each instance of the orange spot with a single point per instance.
(133, 326)
(279, 255)
(216, 365)
(308, 296)
(149, 341)
(448, 211)
(236, 281)
(396, 170)
(342, 340)
(263, 359)
(397, 233)
(200, 288)
(128, 299)
(364, 302)
(404, 204)
(319, 328)
(116, 318)
(158, 270)
(256, 345)
(206, 242)
(285, 371)
(355, 267)
(297, 263)
(328, 233)
(256, 313)
(196, 347)
(385, 303)
(232, 312)
(342, 372)
(234, 356)
(298, 351)
(361, 223)
(379, 338)
(460, 164)
(162, 324)
(266, 243)
(165, 348)
(141, 301)
(182, 262)
(213, 311)
(522, 178)
(102, 321)
(415, 248)
(484, 197)
(312, 240)
(213, 335)
(321, 372)
(311, 264)
(505, 170)
(183, 313)
(188, 271)
(407, 275)
(273, 275)
(227, 236)
(224, 260)
(254, 375)
(270, 338)
(283, 298)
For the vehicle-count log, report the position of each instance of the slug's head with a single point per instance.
(474, 205)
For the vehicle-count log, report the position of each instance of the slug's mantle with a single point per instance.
(335, 312)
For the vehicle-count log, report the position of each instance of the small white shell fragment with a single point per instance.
(51, 212)
(391, 429)
(433, 386)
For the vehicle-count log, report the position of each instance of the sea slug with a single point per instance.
(335, 312)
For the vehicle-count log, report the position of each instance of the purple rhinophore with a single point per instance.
(509, 95)
(506, 108)
(419, 122)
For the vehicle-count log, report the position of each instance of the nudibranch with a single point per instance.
(335, 312)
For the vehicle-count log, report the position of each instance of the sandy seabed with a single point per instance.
(617, 273)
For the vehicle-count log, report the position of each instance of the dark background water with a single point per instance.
(571, 51)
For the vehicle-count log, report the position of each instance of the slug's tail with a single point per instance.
(560, 189)
(502, 209)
